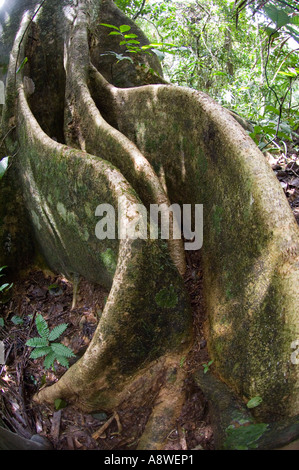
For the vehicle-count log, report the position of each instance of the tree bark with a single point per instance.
(86, 130)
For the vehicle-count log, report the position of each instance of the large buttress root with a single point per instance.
(139, 336)
(97, 137)
(158, 144)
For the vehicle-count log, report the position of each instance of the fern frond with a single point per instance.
(42, 326)
(57, 331)
(62, 350)
(37, 342)
(49, 359)
(62, 361)
(39, 352)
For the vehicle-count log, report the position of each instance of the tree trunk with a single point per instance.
(91, 130)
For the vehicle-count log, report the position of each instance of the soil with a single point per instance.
(51, 295)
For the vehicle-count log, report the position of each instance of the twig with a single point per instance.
(119, 425)
(182, 438)
(7, 133)
(103, 428)
(288, 5)
(285, 149)
(153, 24)
(76, 281)
(139, 11)
(293, 171)
(173, 439)
(55, 428)
(278, 70)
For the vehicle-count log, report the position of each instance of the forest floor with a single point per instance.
(68, 428)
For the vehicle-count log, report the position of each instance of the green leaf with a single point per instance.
(207, 366)
(162, 44)
(243, 88)
(39, 352)
(182, 361)
(124, 28)
(287, 74)
(272, 32)
(109, 26)
(295, 20)
(5, 287)
(131, 41)
(57, 331)
(1, 323)
(280, 17)
(159, 54)
(42, 326)
(115, 33)
(220, 73)
(62, 350)
(17, 320)
(293, 33)
(53, 286)
(49, 359)
(37, 342)
(254, 402)
(59, 404)
(258, 129)
(130, 36)
(3, 168)
(272, 109)
(283, 136)
(148, 46)
(22, 65)
(244, 437)
(62, 361)
(269, 129)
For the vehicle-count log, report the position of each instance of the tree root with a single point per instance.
(97, 137)
(166, 411)
(159, 387)
(154, 145)
(130, 323)
(235, 427)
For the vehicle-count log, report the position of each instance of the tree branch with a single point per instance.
(140, 11)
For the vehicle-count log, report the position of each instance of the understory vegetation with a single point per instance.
(244, 54)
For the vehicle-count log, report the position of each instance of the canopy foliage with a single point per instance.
(243, 53)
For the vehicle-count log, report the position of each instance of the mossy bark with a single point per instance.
(138, 337)
(234, 426)
(250, 250)
(152, 144)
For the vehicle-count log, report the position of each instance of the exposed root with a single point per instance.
(166, 411)
(101, 138)
(159, 387)
(204, 156)
(234, 426)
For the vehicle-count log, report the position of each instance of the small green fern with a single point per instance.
(43, 344)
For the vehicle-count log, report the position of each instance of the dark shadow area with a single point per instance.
(45, 70)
